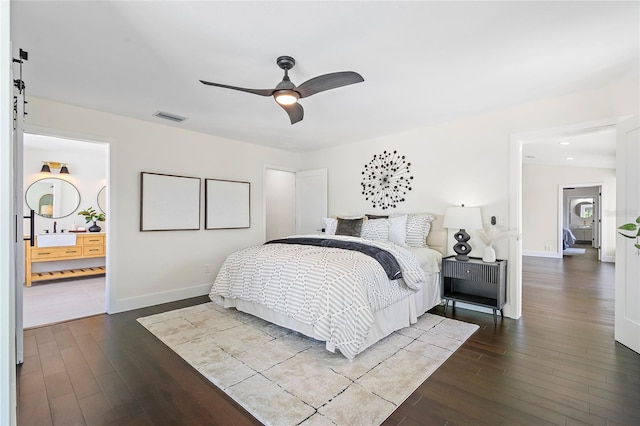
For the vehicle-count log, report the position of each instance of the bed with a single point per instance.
(344, 298)
(568, 239)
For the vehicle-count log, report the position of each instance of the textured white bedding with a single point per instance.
(342, 297)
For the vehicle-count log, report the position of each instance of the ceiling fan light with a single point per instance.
(286, 97)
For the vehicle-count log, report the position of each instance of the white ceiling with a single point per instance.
(423, 62)
(590, 148)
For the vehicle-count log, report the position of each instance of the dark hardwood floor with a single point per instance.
(558, 364)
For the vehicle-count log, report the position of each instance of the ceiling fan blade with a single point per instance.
(261, 92)
(295, 111)
(328, 82)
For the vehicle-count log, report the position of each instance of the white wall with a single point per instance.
(466, 161)
(540, 198)
(147, 268)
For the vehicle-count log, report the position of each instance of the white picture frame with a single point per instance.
(227, 204)
(169, 202)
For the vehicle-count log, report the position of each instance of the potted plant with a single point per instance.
(90, 215)
(632, 227)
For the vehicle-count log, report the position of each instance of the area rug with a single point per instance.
(285, 378)
(572, 251)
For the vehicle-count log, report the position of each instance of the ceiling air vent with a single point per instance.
(170, 117)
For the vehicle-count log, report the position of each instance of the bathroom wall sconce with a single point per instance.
(48, 165)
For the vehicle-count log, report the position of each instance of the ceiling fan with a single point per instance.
(287, 94)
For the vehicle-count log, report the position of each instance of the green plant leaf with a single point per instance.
(627, 236)
(637, 246)
(638, 219)
(628, 227)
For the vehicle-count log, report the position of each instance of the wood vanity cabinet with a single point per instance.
(87, 246)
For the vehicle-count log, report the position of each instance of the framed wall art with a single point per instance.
(169, 203)
(227, 204)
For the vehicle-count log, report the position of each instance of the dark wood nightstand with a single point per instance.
(476, 282)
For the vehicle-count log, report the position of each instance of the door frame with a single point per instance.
(627, 268)
(599, 226)
(513, 309)
(109, 146)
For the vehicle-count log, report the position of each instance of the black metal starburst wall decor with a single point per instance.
(386, 180)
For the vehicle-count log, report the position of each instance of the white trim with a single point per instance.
(549, 254)
(513, 308)
(561, 187)
(130, 303)
(610, 259)
(8, 397)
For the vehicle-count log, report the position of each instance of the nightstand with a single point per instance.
(476, 282)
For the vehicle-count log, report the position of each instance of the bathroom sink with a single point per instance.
(56, 240)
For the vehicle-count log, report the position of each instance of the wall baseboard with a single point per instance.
(130, 303)
(550, 254)
(610, 259)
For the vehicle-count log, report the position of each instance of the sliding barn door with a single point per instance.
(627, 305)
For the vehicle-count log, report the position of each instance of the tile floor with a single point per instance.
(55, 301)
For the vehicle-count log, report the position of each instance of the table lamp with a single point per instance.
(462, 218)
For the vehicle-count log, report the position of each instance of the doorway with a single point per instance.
(295, 202)
(75, 179)
(280, 203)
(550, 140)
(581, 211)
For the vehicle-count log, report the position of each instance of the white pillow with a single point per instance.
(418, 227)
(330, 225)
(376, 229)
(398, 230)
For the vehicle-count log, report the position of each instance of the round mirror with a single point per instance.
(584, 209)
(52, 198)
(102, 199)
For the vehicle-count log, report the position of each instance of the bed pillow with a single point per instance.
(350, 227)
(398, 230)
(375, 229)
(330, 225)
(418, 227)
(376, 216)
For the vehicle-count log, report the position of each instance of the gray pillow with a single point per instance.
(351, 227)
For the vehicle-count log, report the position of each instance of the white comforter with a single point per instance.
(334, 290)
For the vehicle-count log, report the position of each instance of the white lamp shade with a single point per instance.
(463, 218)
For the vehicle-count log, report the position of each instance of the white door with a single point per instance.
(18, 147)
(627, 304)
(311, 201)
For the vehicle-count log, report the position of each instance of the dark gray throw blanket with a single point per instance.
(384, 258)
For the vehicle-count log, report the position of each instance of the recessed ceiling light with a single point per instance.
(569, 158)
(565, 143)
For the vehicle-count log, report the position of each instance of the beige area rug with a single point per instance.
(285, 378)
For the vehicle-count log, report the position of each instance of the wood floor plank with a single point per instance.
(557, 365)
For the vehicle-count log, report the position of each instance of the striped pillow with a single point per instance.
(418, 226)
(375, 229)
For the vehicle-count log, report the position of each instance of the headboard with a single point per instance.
(437, 238)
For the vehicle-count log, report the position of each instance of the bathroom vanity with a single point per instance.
(59, 247)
